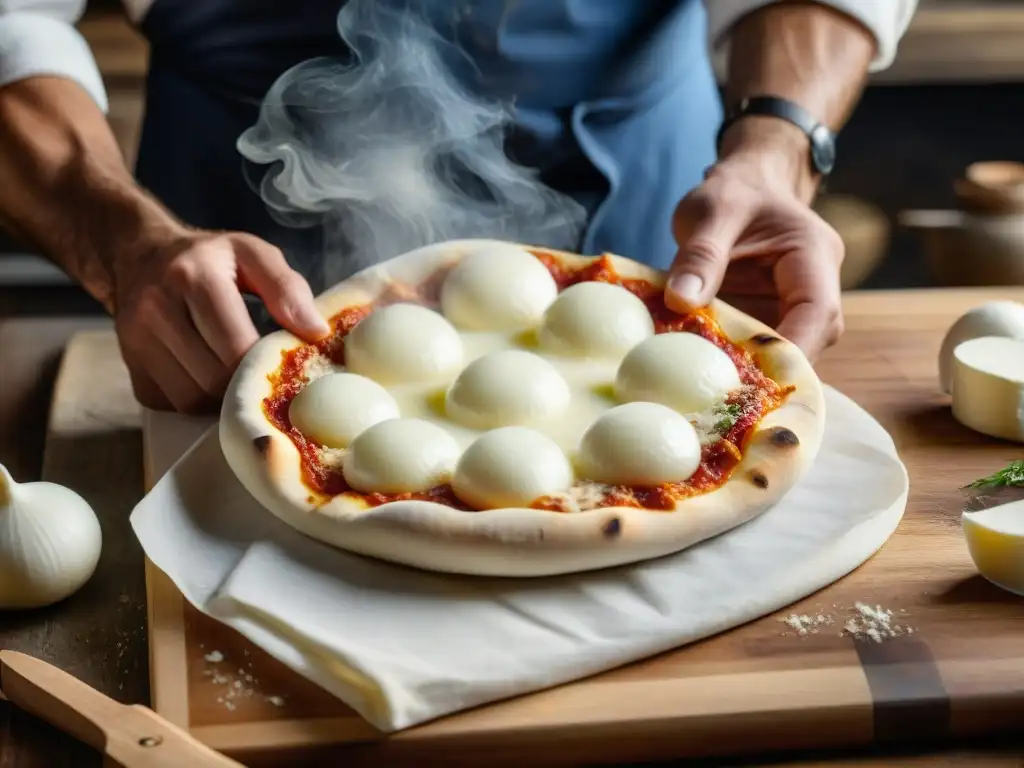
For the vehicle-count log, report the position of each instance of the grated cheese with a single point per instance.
(318, 366)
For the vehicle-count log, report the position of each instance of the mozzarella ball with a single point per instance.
(594, 319)
(681, 370)
(403, 343)
(511, 467)
(505, 388)
(335, 408)
(639, 444)
(400, 456)
(498, 287)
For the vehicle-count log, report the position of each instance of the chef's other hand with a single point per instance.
(750, 240)
(181, 320)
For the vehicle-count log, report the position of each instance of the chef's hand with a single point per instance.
(747, 235)
(181, 321)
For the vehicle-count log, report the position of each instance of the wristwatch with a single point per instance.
(822, 140)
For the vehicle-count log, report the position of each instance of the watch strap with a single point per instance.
(821, 138)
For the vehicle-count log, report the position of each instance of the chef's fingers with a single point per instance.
(147, 391)
(809, 291)
(221, 317)
(171, 324)
(263, 269)
(812, 326)
(706, 231)
(159, 380)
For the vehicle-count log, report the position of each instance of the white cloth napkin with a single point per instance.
(402, 646)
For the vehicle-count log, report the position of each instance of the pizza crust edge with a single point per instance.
(518, 542)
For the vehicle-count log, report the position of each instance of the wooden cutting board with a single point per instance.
(956, 667)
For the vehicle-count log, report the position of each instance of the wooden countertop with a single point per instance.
(99, 634)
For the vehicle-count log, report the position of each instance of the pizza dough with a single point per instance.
(640, 444)
(501, 287)
(595, 319)
(681, 370)
(540, 513)
(511, 467)
(333, 409)
(400, 456)
(504, 388)
(403, 343)
(988, 386)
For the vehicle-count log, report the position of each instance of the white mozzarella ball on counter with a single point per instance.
(400, 456)
(681, 370)
(335, 408)
(639, 444)
(498, 287)
(511, 467)
(993, 318)
(988, 386)
(507, 387)
(403, 343)
(594, 319)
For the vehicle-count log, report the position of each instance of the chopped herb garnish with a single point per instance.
(1013, 475)
(728, 414)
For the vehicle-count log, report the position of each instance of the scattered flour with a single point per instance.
(868, 622)
(242, 685)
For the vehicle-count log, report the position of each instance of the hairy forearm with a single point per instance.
(808, 53)
(64, 186)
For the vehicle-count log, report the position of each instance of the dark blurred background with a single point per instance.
(955, 96)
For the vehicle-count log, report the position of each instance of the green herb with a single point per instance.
(728, 414)
(1012, 475)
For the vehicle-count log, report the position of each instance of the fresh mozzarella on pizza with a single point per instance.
(335, 408)
(681, 370)
(403, 343)
(498, 287)
(593, 318)
(507, 387)
(640, 444)
(492, 408)
(511, 467)
(400, 456)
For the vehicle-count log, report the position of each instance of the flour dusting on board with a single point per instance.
(236, 686)
(861, 622)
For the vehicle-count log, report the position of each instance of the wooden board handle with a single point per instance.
(130, 736)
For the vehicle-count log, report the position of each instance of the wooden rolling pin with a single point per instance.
(130, 736)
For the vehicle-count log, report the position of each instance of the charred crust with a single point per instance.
(262, 444)
(764, 339)
(783, 437)
(612, 528)
(759, 478)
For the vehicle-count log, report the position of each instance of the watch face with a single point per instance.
(823, 150)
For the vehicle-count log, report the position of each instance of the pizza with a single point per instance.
(484, 407)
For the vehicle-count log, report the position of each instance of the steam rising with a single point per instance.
(391, 150)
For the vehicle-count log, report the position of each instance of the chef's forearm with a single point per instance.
(808, 53)
(64, 185)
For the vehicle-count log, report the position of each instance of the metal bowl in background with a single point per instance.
(981, 242)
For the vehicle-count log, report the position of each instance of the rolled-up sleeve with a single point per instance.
(886, 19)
(38, 37)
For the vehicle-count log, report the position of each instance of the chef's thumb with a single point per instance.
(703, 257)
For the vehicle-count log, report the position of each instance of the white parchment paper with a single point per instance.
(403, 646)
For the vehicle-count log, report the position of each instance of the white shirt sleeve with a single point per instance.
(886, 19)
(38, 37)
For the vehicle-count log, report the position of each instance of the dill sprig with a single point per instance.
(1013, 475)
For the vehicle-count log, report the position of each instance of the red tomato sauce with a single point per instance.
(717, 461)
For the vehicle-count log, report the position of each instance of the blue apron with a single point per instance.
(616, 105)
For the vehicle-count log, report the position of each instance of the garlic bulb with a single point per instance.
(50, 543)
(994, 318)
